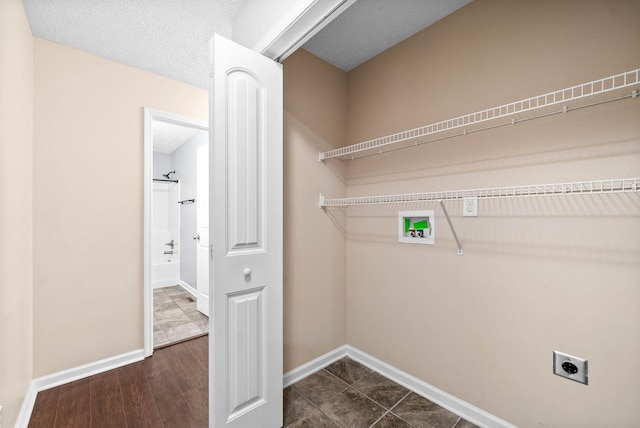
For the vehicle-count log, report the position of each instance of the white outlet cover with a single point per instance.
(580, 365)
(470, 207)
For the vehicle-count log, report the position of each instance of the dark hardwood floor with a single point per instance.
(169, 389)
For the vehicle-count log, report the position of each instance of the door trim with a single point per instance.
(151, 115)
(303, 21)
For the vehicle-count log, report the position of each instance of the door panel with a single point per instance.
(246, 307)
(245, 160)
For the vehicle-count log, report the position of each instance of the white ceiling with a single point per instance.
(167, 137)
(370, 27)
(171, 37)
(166, 37)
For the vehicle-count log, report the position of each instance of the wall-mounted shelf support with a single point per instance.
(453, 230)
(612, 88)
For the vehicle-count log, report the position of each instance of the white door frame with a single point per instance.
(151, 115)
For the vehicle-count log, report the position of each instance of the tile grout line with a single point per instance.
(397, 404)
(314, 405)
(387, 411)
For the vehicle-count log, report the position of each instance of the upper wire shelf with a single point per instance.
(561, 101)
(616, 185)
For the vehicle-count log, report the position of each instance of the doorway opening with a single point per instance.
(176, 217)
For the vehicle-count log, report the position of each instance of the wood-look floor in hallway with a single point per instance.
(169, 389)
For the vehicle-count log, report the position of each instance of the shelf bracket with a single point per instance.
(453, 230)
(321, 201)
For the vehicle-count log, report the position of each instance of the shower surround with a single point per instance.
(165, 238)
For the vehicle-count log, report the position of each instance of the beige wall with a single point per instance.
(88, 207)
(16, 209)
(536, 274)
(315, 104)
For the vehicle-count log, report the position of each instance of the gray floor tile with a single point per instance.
(351, 409)
(203, 324)
(160, 338)
(419, 412)
(348, 370)
(196, 315)
(164, 306)
(160, 299)
(182, 331)
(299, 412)
(168, 313)
(381, 389)
(315, 402)
(176, 316)
(391, 421)
(183, 301)
(320, 387)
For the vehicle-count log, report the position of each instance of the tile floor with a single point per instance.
(175, 317)
(350, 395)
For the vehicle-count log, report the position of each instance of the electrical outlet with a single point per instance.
(470, 207)
(574, 368)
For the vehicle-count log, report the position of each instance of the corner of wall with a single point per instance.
(16, 227)
(314, 240)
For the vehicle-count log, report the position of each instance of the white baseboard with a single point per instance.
(27, 406)
(313, 366)
(162, 283)
(188, 287)
(463, 409)
(65, 376)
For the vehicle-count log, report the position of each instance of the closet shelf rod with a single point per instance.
(616, 185)
(516, 111)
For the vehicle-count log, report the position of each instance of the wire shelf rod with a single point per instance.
(616, 185)
(512, 110)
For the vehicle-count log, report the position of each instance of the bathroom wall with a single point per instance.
(537, 274)
(161, 164)
(16, 208)
(315, 107)
(183, 161)
(88, 255)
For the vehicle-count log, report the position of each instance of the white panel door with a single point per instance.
(246, 346)
(202, 225)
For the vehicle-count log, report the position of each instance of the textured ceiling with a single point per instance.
(171, 37)
(370, 27)
(166, 37)
(167, 137)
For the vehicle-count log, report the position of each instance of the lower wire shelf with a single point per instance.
(615, 185)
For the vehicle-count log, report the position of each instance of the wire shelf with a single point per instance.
(616, 185)
(592, 93)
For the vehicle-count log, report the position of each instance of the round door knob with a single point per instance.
(246, 271)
